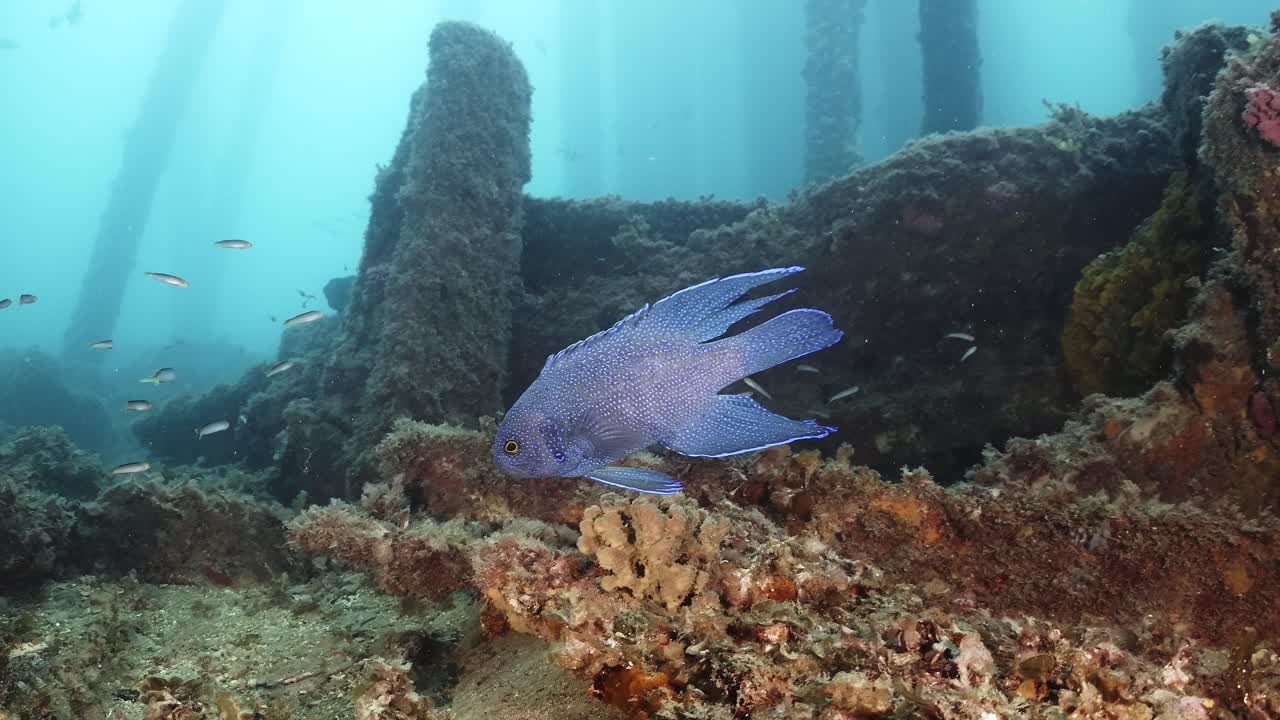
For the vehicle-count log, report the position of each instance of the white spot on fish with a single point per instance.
(306, 317)
(847, 392)
(168, 279)
(968, 352)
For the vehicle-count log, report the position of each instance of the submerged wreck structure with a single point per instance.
(1102, 290)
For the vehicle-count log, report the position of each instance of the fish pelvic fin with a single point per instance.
(650, 482)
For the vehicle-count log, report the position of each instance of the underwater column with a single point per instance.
(952, 65)
(833, 101)
(147, 145)
(428, 329)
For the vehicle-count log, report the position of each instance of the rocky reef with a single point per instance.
(1053, 496)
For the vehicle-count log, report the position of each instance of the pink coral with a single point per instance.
(1262, 113)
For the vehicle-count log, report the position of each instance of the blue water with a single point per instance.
(298, 103)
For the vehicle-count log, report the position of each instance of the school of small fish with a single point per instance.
(168, 375)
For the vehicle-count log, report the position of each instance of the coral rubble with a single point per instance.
(428, 327)
(860, 597)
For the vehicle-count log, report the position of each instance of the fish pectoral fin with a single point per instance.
(651, 482)
(610, 439)
(738, 424)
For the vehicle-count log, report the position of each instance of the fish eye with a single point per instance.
(559, 456)
(511, 447)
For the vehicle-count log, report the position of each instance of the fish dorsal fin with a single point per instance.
(701, 312)
(705, 311)
(626, 322)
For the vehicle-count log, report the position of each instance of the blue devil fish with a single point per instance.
(654, 377)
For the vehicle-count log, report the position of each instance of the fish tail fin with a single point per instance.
(151, 380)
(788, 336)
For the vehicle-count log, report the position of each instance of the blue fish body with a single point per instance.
(654, 378)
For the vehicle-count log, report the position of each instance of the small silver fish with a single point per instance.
(234, 244)
(279, 367)
(211, 428)
(960, 336)
(807, 368)
(756, 386)
(138, 405)
(306, 317)
(163, 375)
(101, 345)
(847, 392)
(131, 468)
(168, 279)
(26, 299)
(5, 303)
(968, 352)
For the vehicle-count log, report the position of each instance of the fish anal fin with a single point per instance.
(738, 424)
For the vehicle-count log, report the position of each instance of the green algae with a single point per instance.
(1128, 298)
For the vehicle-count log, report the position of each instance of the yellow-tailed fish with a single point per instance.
(163, 375)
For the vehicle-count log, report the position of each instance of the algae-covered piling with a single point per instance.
(428, 329)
